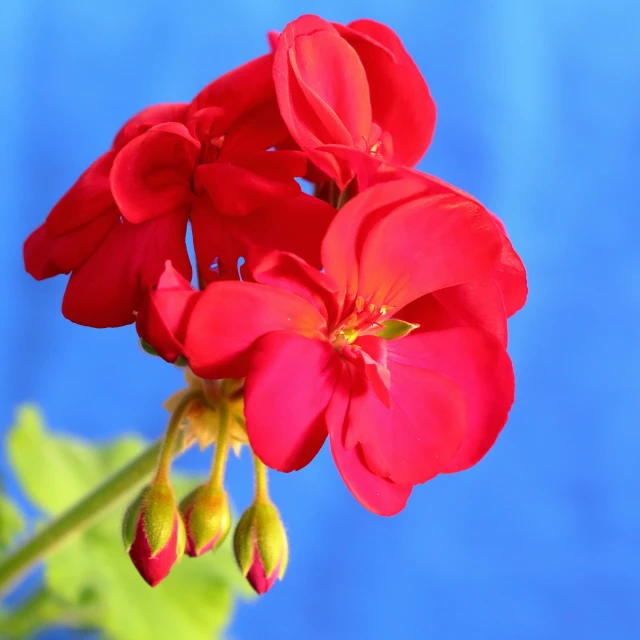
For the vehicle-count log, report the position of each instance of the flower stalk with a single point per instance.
(262, 488)
(171, 435)
(222, 448)
(78, 518)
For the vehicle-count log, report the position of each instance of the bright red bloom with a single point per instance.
(207, 162)
(216, 170)
(353, 86)
(315, 356)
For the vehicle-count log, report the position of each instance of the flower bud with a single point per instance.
(161, 317)
(261, 547)
(153, 532)
(207, 518)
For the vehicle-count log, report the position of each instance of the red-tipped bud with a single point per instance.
(153, 532)
(207, 518)
(261, 547)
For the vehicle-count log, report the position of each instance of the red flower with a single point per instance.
(317, 352)
(208, 162)
(216, 170)
(352, 86)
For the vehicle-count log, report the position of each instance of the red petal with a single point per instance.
(480, 367)
(257, 129)
(230, 316)
(511, 276)
(287, 390)
(46, 255)
(342, 244)
(288, 271)
(473, 304)
(272, 37)
(322, 90)
(239, 90)
(410, 442)
(163, 316)
(149, 117)
(509, 273)
(379, 495)
(400, 99)
(89, 198)
(371, 357)
(257, 576)
(296, 225)
(108, 289)
(217, 246)
(153, 568)
(152, 174)
(252, 181)
(426, 245)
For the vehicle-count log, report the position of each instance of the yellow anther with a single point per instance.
(383, 309)
(352, 320)
(359, 304)
(372, 308)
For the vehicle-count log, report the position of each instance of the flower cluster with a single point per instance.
(372, 313)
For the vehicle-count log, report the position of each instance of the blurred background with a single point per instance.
(539, 117)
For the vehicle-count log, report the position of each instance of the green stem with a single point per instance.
(171, 435)
(78, 518)
(222, 448)
(262, 489)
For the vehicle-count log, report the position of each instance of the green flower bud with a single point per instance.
(261, 546)
(207, 519)
(153, 532)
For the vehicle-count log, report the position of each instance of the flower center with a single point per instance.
(364, 319)
(210, 149)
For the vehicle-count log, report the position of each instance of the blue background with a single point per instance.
(539, 116)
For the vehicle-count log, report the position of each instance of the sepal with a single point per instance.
(392, 329)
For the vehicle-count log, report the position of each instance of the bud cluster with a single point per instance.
(158, 531)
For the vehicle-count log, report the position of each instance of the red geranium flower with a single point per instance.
(352, 86)
(208, 162)
(327, 353)
(216, 168)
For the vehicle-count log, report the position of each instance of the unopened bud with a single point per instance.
(261, 547)
(206, 516)
(153, 532)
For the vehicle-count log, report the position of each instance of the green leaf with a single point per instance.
(11, 522)
(57, 471)
(91, 577)
(392, 329)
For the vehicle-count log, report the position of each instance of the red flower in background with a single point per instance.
(217, 169)
(353, 86)
(207, 162)
(314, 349)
